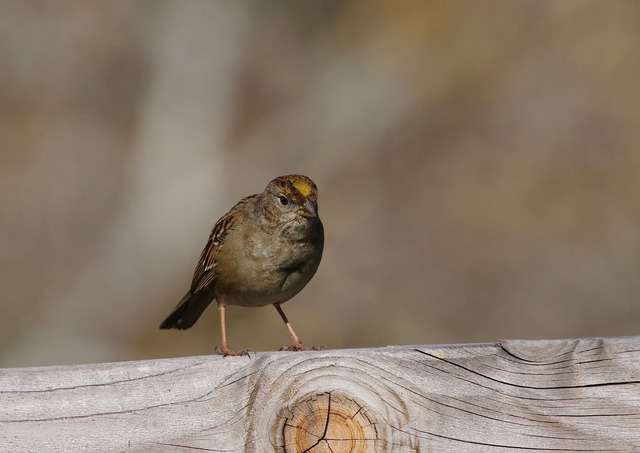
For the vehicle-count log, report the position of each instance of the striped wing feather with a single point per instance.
(205, 272)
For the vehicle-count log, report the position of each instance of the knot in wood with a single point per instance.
(329, 422)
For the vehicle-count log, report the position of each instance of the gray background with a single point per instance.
(478, 167)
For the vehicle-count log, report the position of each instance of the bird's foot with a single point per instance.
(298, 346)
(225, 351)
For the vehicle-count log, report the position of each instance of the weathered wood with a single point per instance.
(561, 395)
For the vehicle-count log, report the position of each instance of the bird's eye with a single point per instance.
(283, 200)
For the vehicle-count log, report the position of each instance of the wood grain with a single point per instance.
(578, 395)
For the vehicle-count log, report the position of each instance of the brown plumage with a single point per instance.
(263, 251)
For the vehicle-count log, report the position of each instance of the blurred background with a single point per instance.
(478, 166)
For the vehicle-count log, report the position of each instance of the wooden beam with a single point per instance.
(548, 395)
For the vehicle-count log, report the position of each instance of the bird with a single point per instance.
(262, 252)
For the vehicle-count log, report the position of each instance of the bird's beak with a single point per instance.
(308, 209)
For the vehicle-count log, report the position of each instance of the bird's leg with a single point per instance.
(225, 350)
(296, 344)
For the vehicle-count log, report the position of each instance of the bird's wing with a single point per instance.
(205, 272)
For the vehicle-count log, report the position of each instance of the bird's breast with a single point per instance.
(266, 270)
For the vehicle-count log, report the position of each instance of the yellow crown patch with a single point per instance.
(300, 184)
(303, 185)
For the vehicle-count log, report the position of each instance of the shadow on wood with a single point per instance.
(556, 395)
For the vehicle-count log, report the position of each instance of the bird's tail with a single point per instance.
(188, 310)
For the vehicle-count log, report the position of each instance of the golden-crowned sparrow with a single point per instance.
(262, 252)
